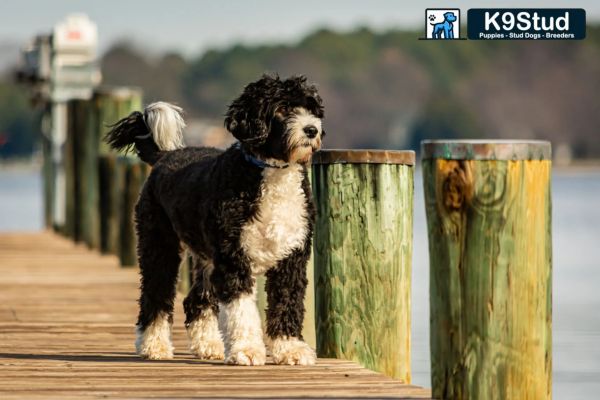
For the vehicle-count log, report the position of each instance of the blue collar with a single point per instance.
(256, 161)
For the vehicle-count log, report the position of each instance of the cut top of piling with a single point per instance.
(346, 156)
(118, 92)
(486, 149)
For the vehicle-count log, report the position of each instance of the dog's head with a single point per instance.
(450, 17)
(278, 119)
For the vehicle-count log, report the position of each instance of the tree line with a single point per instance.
(390, 90)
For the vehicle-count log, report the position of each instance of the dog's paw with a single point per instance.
(205, 339)
(292, 351)
(156, 349)
(208, 350)
(154, 343)
(247, 354)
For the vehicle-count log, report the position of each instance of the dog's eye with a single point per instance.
(283, 109)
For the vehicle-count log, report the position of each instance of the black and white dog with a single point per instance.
(241, 212)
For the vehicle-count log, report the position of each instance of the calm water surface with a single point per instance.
(576, 243)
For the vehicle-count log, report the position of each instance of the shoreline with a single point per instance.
(21, 164)
(577, 166)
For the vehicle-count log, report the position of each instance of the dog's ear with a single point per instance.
(245, 127)
(247, 117)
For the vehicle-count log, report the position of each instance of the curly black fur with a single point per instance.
(202, 294)
(203, 197)
(264, 106)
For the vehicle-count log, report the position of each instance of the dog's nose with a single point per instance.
(311, 131)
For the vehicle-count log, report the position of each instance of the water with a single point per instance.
(576, 247)
(21, 204)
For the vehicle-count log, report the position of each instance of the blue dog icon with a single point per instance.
(445, 28)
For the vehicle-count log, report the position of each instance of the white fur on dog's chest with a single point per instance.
(280, 225)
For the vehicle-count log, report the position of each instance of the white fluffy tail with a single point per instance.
(166, 124)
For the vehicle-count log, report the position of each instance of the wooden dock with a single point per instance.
(66, 331)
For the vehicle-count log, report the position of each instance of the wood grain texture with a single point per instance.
(363, 249)
(66, 332)
(489, 226)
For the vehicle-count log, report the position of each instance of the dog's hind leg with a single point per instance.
(201, 314)
(158, 254)
(286, 288)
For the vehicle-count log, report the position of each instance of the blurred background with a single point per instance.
(382, 88)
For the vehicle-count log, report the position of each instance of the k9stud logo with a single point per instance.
(442, 23)
(526, 23)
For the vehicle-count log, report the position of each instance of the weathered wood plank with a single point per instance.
(71, 337)
(363, 249)
(490, 272)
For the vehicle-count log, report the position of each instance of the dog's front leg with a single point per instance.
(286, 287)
(239, 320)
(242, 334)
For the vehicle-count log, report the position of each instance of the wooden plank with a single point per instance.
(490, 270)
(66, 332)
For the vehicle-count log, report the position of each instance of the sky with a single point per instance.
(191, 27)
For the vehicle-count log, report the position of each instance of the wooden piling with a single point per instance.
(81, 165)
(70, 228)
(362, 255)
(111, 187)
(88, 121)
(110, 105)
(489, 223)
(47, 168)
(132, 177)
